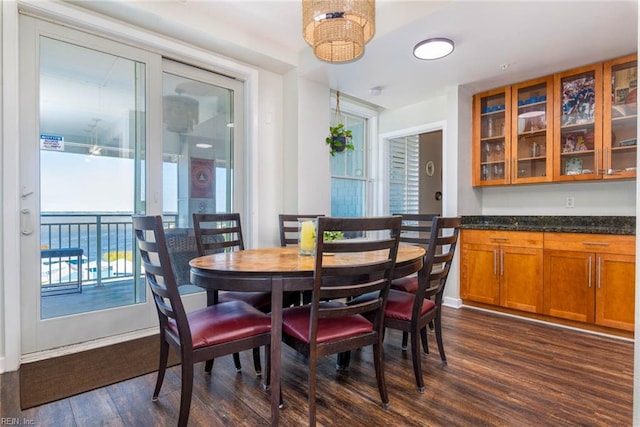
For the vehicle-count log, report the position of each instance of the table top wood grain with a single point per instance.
(286, 260)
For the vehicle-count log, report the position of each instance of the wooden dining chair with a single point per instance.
(416, 230)
(222, 232)
(412, 312)
(200, 335)
(288, 226)
(343, 269)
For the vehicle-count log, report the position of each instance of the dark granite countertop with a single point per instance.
(559, 224)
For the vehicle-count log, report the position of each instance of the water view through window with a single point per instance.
(92, 130)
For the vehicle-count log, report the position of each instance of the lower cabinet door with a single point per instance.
(615, 291)
(569, 285)
(521, 278)
(480, 279)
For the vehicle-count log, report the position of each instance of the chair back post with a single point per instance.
(160, 277)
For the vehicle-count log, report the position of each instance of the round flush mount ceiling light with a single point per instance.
(434, 48)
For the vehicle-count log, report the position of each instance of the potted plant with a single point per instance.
(339, 139)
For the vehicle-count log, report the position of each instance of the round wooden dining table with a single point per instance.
(279, 270)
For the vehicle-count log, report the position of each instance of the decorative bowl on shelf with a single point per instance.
(573, 166)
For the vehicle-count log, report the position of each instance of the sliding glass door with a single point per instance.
(108, 131)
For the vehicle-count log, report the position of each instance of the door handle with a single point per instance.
(25, 193)
(27, 229)
(589, 283)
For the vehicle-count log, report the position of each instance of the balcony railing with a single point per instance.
(106, 240)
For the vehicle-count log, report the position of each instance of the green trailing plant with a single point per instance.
(339, 139)
(330, 236)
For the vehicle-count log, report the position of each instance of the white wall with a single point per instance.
(429, 111)
(290, 144)
(269, 162)
(314, 183)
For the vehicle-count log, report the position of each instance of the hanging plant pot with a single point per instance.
(339, 139)
(339, 143)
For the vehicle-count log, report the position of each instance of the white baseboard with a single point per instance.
(1, 365)
(452, 302)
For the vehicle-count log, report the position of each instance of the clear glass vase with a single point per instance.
(307, 230)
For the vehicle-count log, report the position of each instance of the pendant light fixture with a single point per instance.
(338, 29)
(180, 113)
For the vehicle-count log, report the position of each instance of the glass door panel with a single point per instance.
(532, 136)
(580, 148)
(620, 123)
(91, 127)
(198, 155)
(493, 146)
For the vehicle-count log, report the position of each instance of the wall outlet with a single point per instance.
(570, 202)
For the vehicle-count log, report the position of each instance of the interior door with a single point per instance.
(84, 148)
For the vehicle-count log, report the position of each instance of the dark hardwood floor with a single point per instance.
(501, 372)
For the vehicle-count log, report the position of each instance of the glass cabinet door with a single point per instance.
(620, 118)
(579, 150)
(531, 131)
(492, 148)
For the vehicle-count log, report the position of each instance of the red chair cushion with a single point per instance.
(224, 322)
(259, 300)
(406, 284)
(295, 322)
(400, 305)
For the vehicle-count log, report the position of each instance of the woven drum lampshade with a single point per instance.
(338, 29)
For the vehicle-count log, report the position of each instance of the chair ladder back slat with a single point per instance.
(217, 232)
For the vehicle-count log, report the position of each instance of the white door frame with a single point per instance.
(383, 159)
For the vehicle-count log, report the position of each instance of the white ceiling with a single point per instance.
(532, 38)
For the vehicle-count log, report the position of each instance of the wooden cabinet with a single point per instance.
(491, 137)
(578, 150)
(582, 277)
(620, 127)
(503, 268)
(590, 278)
(576, 125)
